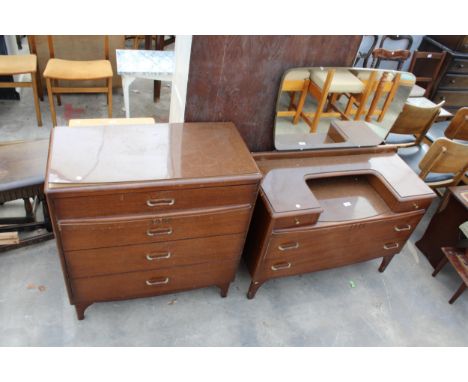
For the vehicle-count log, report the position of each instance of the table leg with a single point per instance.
(126, 82)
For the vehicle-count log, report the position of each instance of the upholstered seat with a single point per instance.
(437, 131)
(398, 139)
(417, 91)
(297, 75)
(78, 70)
(413, 156)
(343, 81)
(18, 64)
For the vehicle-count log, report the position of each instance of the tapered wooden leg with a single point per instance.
(292, 96)
(51, 102)
(385, 261)
(36, 99)
(224, 289)
(109, 97)
(439, 266)
(59, 98)
(29, 209)
(40, 89)
(300, 104)
(80, 309)
(318, 113)
(457, 294)
(254, 285)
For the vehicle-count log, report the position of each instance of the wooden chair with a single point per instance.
(23, 64)
(411, 126)
(458, 127)
(381, 54)
(364, 56)
(442, 165)
(426, 67)
(326, 86)
(387, 85)
(110, 121)
(357, 103)
(58, 69)
(295, 81)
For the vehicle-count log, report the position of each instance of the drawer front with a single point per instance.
(148, 283)
(105, 261)
(152, 201)
(451, 81)
(458, 66)
(336, 246)
(452, 98)
(109, 233)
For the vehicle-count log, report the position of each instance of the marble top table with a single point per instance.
(150, 64)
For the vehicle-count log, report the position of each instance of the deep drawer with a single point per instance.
(127, 203)
(102, 233)
(345, 243)
(104, 261)
(452, 81)
(148, 283)
(458, 66)
(452, 98)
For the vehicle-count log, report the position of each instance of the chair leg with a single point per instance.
(40, 89)
(51, 102)
(439, 266)
(36, 99)
(318, 113)
(59, 98)
(300, 104)
(457, 294)
(109, 97)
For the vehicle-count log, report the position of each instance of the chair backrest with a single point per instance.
(366, 55)
(415, 120)
(381, 54)
(408, 38)
(458, 127)
(445, 156)
(50, 42)
(426, 67)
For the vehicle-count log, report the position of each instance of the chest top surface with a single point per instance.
(81, 156)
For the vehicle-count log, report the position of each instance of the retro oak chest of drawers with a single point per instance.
(329, 208)
(145, 210)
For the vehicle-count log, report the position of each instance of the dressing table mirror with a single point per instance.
(332, 195)
(313, 102)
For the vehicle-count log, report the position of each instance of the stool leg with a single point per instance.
(51, 102)
(40, 89)
(457, 294)
(439, 266)
(109, 97)
(59, 98)
(36, 99)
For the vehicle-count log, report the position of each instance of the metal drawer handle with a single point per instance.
(288, 246)
(452, 81)
(159, 231)
(160, 202)
(405, 227)
(461, 66)
(157, 282)
(391, 245)
(279, 267)
(158, 256)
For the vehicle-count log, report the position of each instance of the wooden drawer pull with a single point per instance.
(405, 227)
(158, 256)
(391, 245)
(159, 231)
(160, 202)
(288, 246)
(279, 267)
(157, 282)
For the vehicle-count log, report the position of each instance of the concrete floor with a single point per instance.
(404, 306)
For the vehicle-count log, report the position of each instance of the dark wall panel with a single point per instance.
(236, 78)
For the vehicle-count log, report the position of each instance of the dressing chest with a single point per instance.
(145, 210)
(328, 208)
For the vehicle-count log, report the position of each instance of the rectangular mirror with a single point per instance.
(338, 107)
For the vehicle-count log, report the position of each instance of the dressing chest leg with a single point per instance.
(457, 294)
(80, 309)
(254, 285)
(385, 261)
(224, 289)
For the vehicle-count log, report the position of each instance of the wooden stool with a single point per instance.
(459, 259)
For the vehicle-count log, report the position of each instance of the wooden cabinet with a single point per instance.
(330, 208)
(452, 82)
(145, 210)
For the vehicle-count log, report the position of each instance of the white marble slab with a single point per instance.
(152, 64)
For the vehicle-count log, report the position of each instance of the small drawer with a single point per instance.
(452, 98)
(155, 282)
(451, 81)
(104, 261)
(458, 66)
(152, 201)
(295, 221)
(101, 233)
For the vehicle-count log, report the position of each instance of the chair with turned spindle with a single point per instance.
(70, 70)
